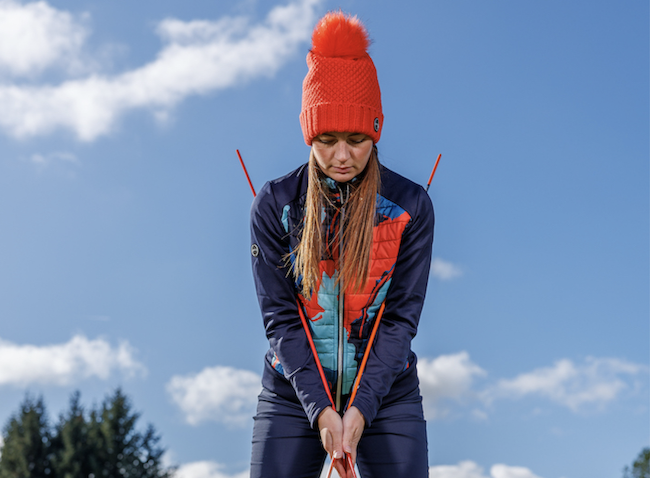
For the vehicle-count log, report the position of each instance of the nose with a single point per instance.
(342, 151)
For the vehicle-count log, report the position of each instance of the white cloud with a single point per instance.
(469, 469)
(222, 394)
(479, 415)
(206, 469)
(464, 469)
(66, 363)
(35, 36)
(444, 270)
(593, 383)
(446, 377)
(199, 57)
(597, 381)
(504, 471)
(43, 159)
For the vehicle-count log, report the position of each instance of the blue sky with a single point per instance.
(124, 252)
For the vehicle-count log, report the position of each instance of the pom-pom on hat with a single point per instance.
(340, 92)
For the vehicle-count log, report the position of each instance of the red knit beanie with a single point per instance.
(340, 92)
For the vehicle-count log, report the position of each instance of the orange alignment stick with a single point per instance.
(435, 166)
(313, 351)
(355, 387)
(246, 173)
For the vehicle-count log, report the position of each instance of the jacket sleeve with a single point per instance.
(277, 299)
(403, 305)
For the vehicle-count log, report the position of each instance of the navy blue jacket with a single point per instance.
(398, 275)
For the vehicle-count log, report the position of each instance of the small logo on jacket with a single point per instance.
(255, 250)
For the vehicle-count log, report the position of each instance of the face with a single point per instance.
(342, 156)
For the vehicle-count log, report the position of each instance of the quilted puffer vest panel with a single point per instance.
(360, 309)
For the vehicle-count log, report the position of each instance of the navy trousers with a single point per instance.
(284, 444)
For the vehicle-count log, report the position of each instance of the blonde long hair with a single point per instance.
(358, 224)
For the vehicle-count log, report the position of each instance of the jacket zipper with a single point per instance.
(341, 328)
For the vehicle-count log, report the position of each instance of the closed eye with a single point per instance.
(326, 139)
(357, 139)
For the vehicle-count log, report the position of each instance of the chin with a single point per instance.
(342, 178)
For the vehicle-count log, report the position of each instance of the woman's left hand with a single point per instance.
(353, 425)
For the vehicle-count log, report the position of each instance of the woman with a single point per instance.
(332, 242)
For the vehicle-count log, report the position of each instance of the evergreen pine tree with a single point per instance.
(122, 451)
(640, 467)
(27, 450)
(106, 444)
(73, 448)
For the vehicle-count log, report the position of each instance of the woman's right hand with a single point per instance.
(330, 425)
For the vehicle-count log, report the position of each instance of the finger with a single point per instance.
(353, 426)
(331, 426)
(337, 444)
(341, 467)
(326, 440)
(351, 439)
(337, 453)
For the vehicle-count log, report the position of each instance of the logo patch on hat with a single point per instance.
(255, 250)
(376, 124)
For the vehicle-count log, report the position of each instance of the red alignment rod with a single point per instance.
(302, 316)
(349, 459)
(313, 351)
(362, 367)
(350, 464)
(309, 338)
(435, 166)
(313, 347)
(247, 176)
